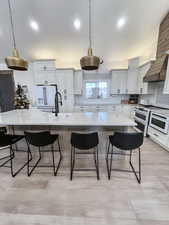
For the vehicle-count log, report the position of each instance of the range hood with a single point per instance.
(157, 71)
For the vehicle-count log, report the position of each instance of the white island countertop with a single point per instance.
(36, 117)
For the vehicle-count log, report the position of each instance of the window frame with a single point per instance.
(97, 82)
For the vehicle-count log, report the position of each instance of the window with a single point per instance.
(96, 89)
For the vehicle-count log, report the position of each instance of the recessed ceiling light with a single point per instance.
(34, 25)
(121, 22)
(77, 24)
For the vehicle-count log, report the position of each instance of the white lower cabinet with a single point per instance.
(158, 137)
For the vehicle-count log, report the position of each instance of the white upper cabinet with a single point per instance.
(64, 80)
(166, 84)
(78, 82)
(143, 86)
(132, 78)
(44, 71)
(119, 81)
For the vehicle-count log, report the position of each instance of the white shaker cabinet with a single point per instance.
(143, 86)
(132, 78)
(166, 84)
(64, 81)
(78, 82)
(44, 71)
(119, 81)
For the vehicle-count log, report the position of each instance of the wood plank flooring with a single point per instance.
(43, 199)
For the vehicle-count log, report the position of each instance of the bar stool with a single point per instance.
(127, 142)
(6, 142)
(42, 139)
(80, 143)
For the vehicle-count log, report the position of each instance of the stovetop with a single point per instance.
(156, 109)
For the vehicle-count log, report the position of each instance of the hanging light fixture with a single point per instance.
(90, 62)
(14, 62)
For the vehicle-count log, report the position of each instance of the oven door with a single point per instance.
(141, 116)
(140, 126)
(159, 122)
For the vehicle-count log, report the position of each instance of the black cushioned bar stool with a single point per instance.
(84, 144)
(6, 142)
(39, 140)
(127, 142)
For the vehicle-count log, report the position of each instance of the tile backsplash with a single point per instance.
(157, 97)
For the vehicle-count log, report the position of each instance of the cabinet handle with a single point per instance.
(126, 90)
(156, 135)
(118, 91)
(141, 90)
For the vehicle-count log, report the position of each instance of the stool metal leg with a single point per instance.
(12, 156)
(111, 160)
(53, 158)
(97, 160)
(138, 177)
(72, 162)
(107, 160)
(29, 172)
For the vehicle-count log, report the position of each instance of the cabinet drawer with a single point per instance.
(158, 136)
(45, 65)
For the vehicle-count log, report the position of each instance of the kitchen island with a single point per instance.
(33, 119)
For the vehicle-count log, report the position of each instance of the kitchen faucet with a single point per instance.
(58, 98)
(57, 101)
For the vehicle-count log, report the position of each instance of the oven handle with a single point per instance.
(161, 118)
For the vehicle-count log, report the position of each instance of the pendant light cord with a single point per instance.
(90, 27)
(12, 25)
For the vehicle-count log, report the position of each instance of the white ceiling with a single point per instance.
(57, 38)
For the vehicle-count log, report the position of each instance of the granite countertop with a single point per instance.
(37, 117)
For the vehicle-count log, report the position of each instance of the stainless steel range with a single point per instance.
(141, 118)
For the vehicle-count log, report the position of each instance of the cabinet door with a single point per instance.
(78, 82)
(64, 80)
(119, 82)
(132, 81)
(143, 86)
(45, 77)
(166, 84)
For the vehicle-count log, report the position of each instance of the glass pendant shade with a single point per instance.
(14, 62)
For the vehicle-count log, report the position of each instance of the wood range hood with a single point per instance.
(158, 69)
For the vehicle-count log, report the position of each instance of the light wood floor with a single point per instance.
(43, 199)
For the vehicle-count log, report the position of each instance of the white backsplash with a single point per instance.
(157, 97)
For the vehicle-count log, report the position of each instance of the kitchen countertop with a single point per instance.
(37, 117)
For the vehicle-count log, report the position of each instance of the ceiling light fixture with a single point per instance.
(90, 62)
(34, 25)
(121, 22)
(14, 62)
(77, 24)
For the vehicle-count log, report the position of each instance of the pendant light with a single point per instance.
(90, 62)
(14, 62)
